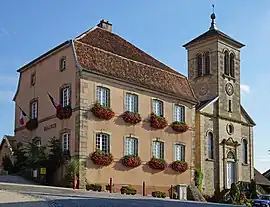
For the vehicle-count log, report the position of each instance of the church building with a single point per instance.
(131, 118)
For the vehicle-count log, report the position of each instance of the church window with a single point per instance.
(210, 139)
(244, 151)
(226, 63)
(230, 106)
(232, 65)
(199, 65)
(206, 63)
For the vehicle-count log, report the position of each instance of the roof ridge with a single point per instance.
(176, 74)
(127, 42)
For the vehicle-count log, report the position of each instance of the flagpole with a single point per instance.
(22, 110)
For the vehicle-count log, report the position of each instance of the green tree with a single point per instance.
(36, 155)
(75, 167)
(20, 157)
(8, 166)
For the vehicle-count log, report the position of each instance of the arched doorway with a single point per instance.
(231, 175)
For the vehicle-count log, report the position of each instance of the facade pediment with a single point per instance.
(230, 142)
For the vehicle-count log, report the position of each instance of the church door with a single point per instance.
(230, 173)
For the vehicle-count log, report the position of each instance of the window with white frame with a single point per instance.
(179, 152)
(103, 96)
(179, 113)
(131, 146)
(65, 141)
(34, 109)
(103, 142)
(65, 96)
(157, 107)
(131, 102)
(158, 149)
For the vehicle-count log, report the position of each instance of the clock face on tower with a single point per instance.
(229, 89)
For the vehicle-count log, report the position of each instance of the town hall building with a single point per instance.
(102, 96)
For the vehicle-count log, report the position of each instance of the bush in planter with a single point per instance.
(179, 166)
(179, 126)
(88, 187)
(129, 190)
(108, 187)
(131, 117)
(95, 187)
(64, 112)
(102, 112)
(31, 124)
(159, 194)
(131, 161)
(157, 122)
(101, 158)
(159, 164)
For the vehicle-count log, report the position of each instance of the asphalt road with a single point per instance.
(60, 197)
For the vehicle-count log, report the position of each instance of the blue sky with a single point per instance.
(30, 28)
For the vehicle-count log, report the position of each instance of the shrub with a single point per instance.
(179, 166)
(129, 190)
(102, 112)
(159, 194)
(198, 178)
(94, 187)
(179, 126)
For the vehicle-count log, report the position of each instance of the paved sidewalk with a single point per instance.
(14, 199)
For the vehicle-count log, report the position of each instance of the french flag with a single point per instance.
(22, 115)
(56, 105)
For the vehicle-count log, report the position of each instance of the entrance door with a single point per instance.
(230, 173)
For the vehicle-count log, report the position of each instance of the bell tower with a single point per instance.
(214, 69)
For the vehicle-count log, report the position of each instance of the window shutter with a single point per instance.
(98, 94)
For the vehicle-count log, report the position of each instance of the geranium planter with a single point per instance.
(179, 126)
(64, 112)
(158, 164)
(131, 161)
(31, 124)
(131, 117)
(102, 112)
(179, 166)
(157, 122)
(101, 158)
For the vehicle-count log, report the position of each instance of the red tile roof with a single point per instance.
(107, 53)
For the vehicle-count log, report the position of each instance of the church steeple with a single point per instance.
(213, 18)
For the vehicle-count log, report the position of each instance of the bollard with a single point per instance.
(74, 182)
(171, 193)
(143, 190)
(110, 185)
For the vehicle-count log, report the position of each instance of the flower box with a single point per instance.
(158, 164)
(179, 166)
(102, 112)
(131, 117)
(101, 158)
(64, 112)
(179, 126)
(31, 124)
(158, 122)
(131, 161)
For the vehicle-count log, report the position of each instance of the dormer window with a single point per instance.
(62, 64)
(199, 65)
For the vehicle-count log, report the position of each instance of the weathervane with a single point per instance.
(213, 18)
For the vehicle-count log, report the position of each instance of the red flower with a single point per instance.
(101, 158)
(157, 122)
(179, 166)
(102, 112)
(131, 161)
(158, 164)
(131, 117)
(64, 112)
(179, 126)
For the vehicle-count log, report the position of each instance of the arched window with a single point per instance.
(210, 139)
(226, 63)
(230, 155)
(207, 63)
(232, 65)
(244, 151)
(199, 65)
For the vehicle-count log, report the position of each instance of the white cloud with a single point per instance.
(245, 88)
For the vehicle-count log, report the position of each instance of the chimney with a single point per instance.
(104, 24)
